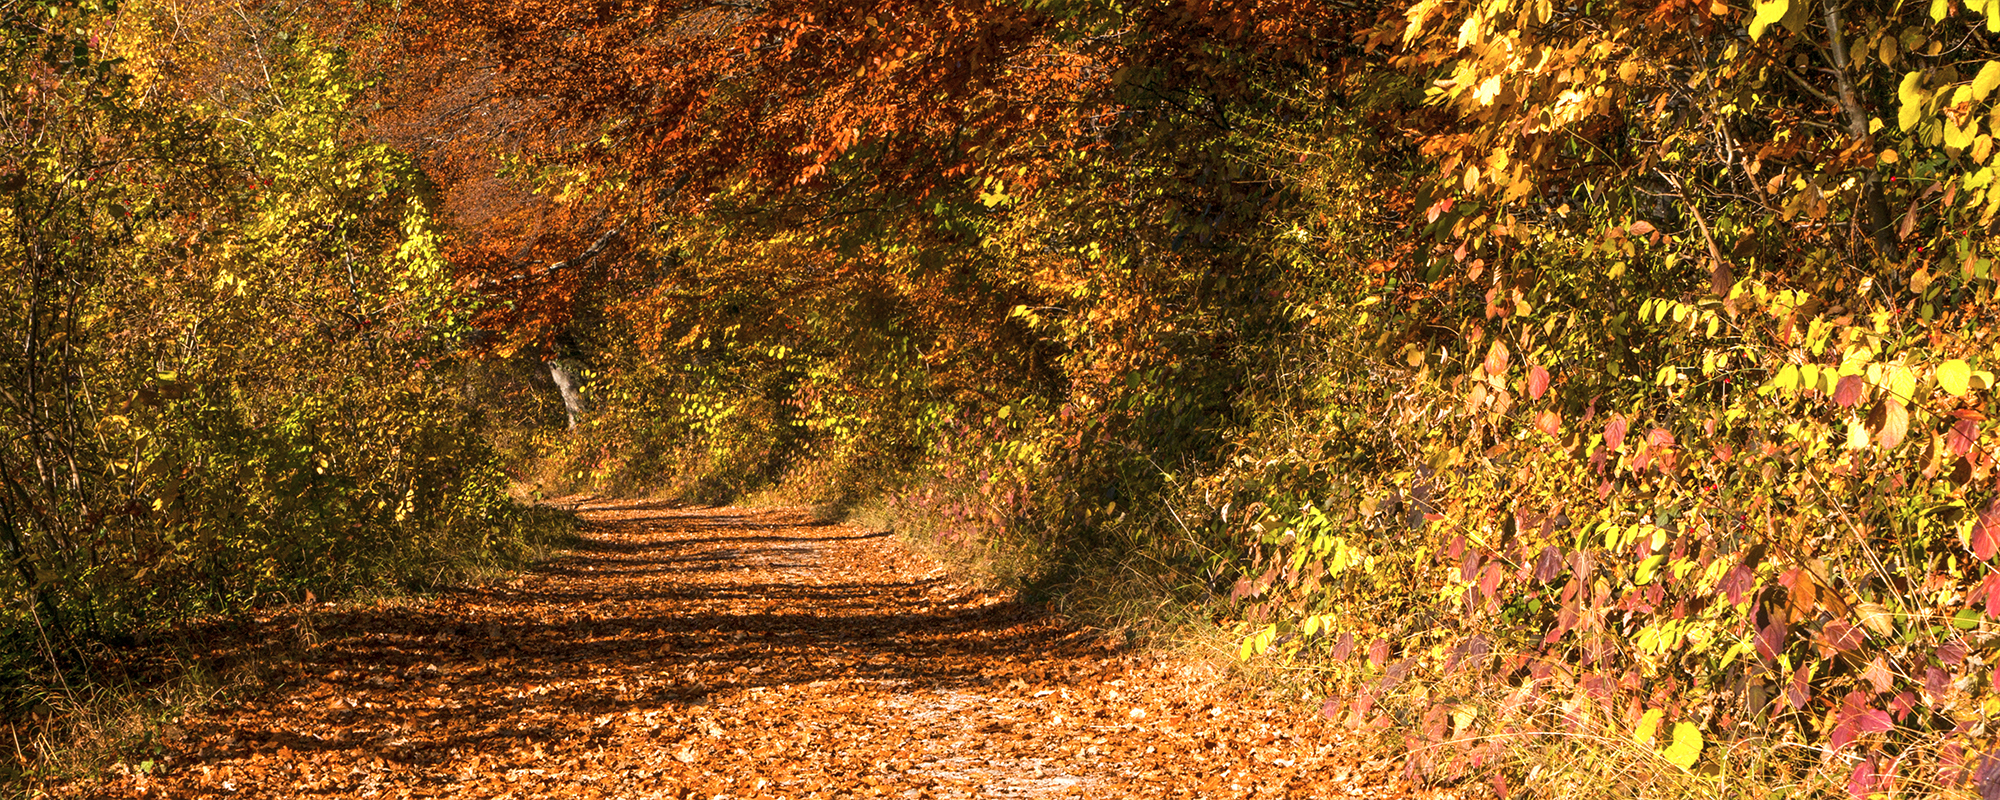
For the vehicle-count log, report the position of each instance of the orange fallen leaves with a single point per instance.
(669, 657)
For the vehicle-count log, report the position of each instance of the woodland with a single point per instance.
(1557, 389)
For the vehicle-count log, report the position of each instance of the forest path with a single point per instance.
(718, 652)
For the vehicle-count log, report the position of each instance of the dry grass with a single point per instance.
(98, 729)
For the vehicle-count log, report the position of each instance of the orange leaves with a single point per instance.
(1496, 358)
(1891, 422)
(1538, 381)
(682, 653)
(1549, 422)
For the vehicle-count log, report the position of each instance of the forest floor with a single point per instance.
(683, 652)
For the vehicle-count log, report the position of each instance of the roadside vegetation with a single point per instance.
(1573, 392)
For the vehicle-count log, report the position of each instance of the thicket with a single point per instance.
(233, 373)
(1606, 377)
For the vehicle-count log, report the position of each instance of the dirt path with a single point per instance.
(729, 652)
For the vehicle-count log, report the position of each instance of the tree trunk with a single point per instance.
(568, 382)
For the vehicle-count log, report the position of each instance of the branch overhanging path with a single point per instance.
(743, 653)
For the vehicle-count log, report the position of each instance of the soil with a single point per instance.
(729, 652)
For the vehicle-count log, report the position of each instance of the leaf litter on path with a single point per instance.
(726, 652)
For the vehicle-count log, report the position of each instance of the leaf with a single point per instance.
(1891, 422)
(1875, 617)
(1659, 437)
(1496, 358)
(1912, 98)
(1987, 79)
(1649, 726)
(1686, 749)
(1954, 376)
(1802, 596)
(1737, 582)
(1863, 781)
(1538, 382)
(1771, 639)
(1787, 380)
(1847, 392)
(1549, 565)
(1878, 676)
(1768, 12)
(1902, 383)
(1489, 580)
(1549, 422)
(1958, 137)
(1614, 432)
(1964, 434)
(1985, 538)
(1644, 574)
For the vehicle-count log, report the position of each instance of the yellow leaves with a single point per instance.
(1418, 15)
(1912, 97)
(1987, 79)
(1955, 377)
(1686, 747)
(1649, 726)
(1257, 643)
(1488, 90)
(1765, 14)
(1857, 435)
(1957, 137)
(1875, 617)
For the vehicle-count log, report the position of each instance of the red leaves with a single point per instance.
(1659, 437)
(1868, 777)
(1963, 435)
(1737, 582)
(1538, 382)
(1985, 537)
(1771, 638)
(1614, 432)
(1847, 392)
(1549, 565)
(1855, 718)
(1489, 582)
(1839, 636)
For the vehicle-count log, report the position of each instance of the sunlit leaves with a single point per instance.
(1686, 747)
(1891, 421)
(1765, 13)
(1614, 432)
(1984, 541)
(1496, 358)
(1954, 377)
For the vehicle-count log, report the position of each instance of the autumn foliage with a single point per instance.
(1608, 370)
(1538, 375)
